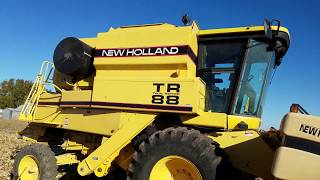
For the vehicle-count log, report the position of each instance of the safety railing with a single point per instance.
(297, 108)
(30, 105)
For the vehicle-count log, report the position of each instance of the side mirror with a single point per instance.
(267, 28)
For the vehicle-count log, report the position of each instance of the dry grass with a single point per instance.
(9, 144)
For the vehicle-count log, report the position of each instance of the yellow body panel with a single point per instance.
(252, 122)
(301, 126)
(86, 120)
(295, 164)
(221, 120)
(50, 97)
(130, 93)
(140, 67)
(110, 149)
(148, 36)
(76, 96)
(207, 119)
(98, 121)
(90, 41)
(247, 151)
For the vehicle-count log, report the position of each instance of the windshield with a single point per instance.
(254, 79)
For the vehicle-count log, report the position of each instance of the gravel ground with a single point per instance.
(9, 144)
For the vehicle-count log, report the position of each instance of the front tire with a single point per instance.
(175, 153)
(35, 162)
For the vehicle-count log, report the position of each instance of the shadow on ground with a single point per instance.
(116, 174)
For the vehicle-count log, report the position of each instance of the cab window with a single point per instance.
(219, 63)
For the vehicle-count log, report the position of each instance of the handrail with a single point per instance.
(30, 106)
(297, 108)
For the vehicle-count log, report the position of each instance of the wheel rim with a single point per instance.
(28, 168)
(174, 168)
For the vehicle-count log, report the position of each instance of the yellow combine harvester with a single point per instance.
(163, 102)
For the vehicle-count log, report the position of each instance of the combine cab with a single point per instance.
(157, 102)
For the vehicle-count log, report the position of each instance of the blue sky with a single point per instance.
(30, 30)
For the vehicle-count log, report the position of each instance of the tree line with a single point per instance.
(13, 92)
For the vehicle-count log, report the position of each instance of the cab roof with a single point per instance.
(240, 30)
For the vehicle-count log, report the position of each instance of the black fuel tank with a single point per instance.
(74, 58)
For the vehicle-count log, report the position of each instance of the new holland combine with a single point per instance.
(164, 102)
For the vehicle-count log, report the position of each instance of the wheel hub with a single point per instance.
(28, 168)
(174, 168)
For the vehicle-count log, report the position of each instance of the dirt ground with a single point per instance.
(9, 144)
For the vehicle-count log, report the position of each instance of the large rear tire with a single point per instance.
(35, 162)
(175, 153)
